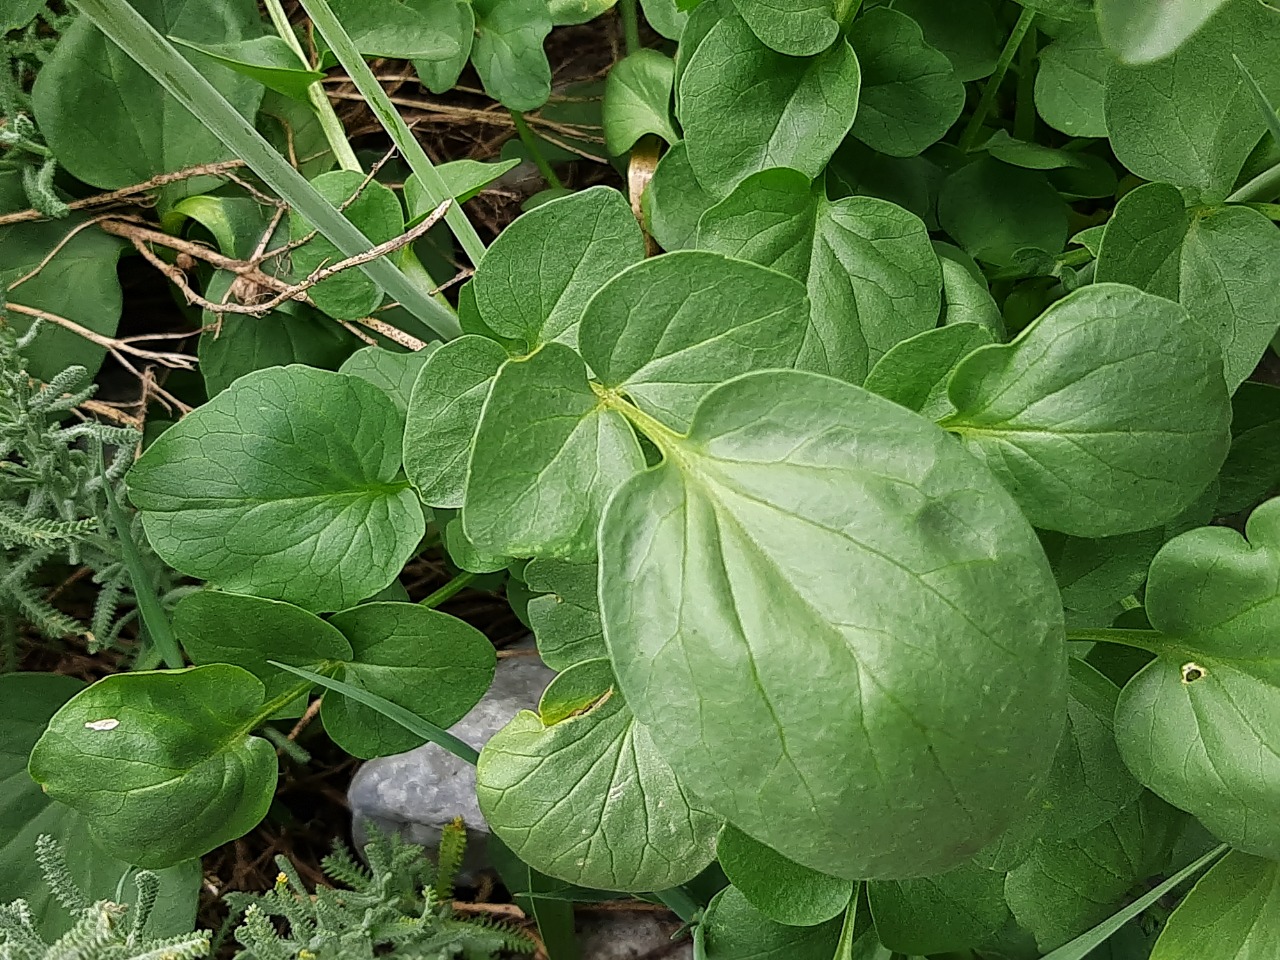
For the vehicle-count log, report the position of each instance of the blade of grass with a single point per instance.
(133, 34)
(1086, 943)
(353, 62)
(152, 614)
(1265, 185)
(392, 711)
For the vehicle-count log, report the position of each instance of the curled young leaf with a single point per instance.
(781, 889)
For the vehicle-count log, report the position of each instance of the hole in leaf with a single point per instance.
(1191, 672)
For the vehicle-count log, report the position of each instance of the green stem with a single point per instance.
(845, 11)
(530, 142)
(1024, 110)
(630, 25)
(1138, 639)
(663, 437)
(329, 122)
(448, 590)
(968, 139)
(432, 183)
(1262, 188)
(680, 902)
(844, 946)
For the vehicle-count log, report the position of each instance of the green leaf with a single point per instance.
(467, 556)
(910, 182)
(746, 108)
(218, 627)
(965, 297)
(1067, 886)
(161, 763)
(566, 618)
(268, 60)
(464, 178)
(1140, 31)
(1061, 9)
(781, 889)
(735, 930)
(1107, 415)
(508, 52)
(111, 125)
(674, 201)
(798, 28)
(1095, 575)
(914, 373)
(285, 484)
(789, 490)
(27, 702)
(667, 330)
(582, 768)
(572, 12)
(665, 16)
(1233, 912)
(79, 283)
(965, 30)
(19, 14)
(1198, 724)
(1216, 261)
(456, 19)
(1032, 156)
(910, 93)
(1252, 470)
(637, 100)
(537, 277)
(1190, 119)
(546, 457)
(376, 212)
(247, 343)
(238, 225)
(412, 30)
(993, 210)
(1070, 90)
(952, 911)
(872, 275)
(393, 371)
(444, 414)
(427, 662)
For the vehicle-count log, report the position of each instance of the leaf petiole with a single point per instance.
(530, 142)
(969, 139)
(1138, 639)
(451, 588)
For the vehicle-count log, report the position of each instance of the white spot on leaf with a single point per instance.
(110, 723)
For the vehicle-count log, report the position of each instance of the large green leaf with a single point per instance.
(1252, 469)
(667, 330)
(914, 373)
(1198, 725)
(746, 108)
(287, 484)
(872, 275)
(637, 100)
(1139, 31)
(565, 619)
(965, 30)
(674, 201)
(579, 792)
(798, 28)
(108, 121)
(781, 556)
(27, 702)
(1233, 913)
(1190, 119)
(993, 209)
(392, 371)
(428, 662)
(444, 414)
(546, 457)
(246, 343)
(539, 274)
(161, 764)
(1107, 415)
(1218, 262)
(458, 20)
(1070, 90)
(952, 911)
(425, 30)
(19, 14)
(735, 930)
(910, 93)
(781, 889)
(508, 53)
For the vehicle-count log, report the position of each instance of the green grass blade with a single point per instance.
(128, 30)
(392, 711)
(1265, 107)
(353, 62)
(1086, 943)
(150, 611)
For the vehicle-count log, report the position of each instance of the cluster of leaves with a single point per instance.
(869, 526)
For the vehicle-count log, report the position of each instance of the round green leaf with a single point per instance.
(674, 200)
(965, 30)
(444, 414)
(1070, 91)
(637, 100)
(111, 125)
(284, 485)
(779, 888)
(376, 212)
(424, 30)
(735, 930)
(1233, 912)
(758, 587)
(456, 19)
(910, 93)
(914, 373)
(393, 371)
(667, 330)
(161, 763)
(579, 792)
(566, 618)
(1140, 31)
(1200, 725)
(1107, 415)
(953, 911)
(798, 28)
(508, 54)
(746, 108)
(571, 12)
(539, 274)
(428, 662)
(993, 210)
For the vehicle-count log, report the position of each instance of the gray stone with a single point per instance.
(416, 793)
(622, 935)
